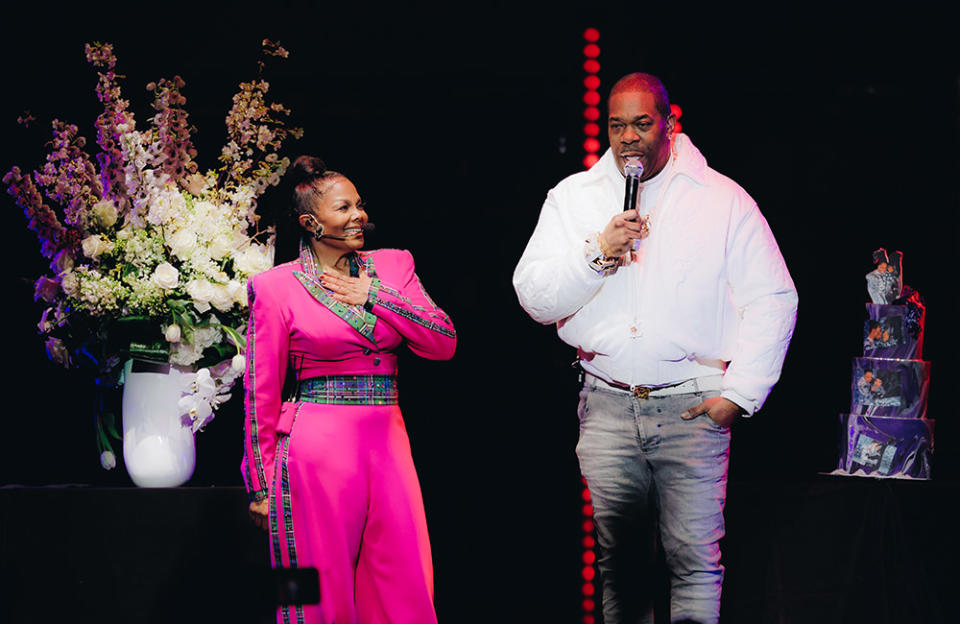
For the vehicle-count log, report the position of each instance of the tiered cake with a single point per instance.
(887, 432)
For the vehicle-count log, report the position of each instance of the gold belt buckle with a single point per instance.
(641, 392)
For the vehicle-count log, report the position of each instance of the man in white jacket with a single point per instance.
(681, 311)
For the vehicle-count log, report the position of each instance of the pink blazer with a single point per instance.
(295, 320)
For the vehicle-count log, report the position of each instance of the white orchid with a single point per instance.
(197, 409)
(204, 393)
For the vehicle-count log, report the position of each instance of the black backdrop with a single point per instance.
(453, 122)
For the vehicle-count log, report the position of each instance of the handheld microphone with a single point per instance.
(367, 228)
(632, 169)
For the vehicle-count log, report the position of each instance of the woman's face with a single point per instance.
(341, 213)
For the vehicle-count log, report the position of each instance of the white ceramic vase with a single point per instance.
(158, 448)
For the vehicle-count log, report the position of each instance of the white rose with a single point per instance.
(105, 212)
(172, 334)
(183, 243)
(220, 246)
(95, 245)
(166, 276)
(125, 234)
(201, 291)
(70, 284)
(237, 291)
(222, 298)
(254, 259)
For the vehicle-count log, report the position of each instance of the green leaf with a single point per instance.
(215, 354)
(238, 340)
(156, 351)
(133, 319)
(128, 269)
(108, 422)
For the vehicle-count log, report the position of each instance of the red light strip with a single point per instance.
(591, 97)
(591, 148)
(588, 556)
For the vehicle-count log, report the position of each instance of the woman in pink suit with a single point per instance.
(328, 469)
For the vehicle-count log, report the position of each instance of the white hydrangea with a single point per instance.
(70, 283)
(186, 353)
(144, 249)
(98, 293)
(145, 295)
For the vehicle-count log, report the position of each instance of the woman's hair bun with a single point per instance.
(306, 169)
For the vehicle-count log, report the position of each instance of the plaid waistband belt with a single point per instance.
(697, 384)
(350, 390)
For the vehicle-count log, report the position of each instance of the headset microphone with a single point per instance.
(366, 229)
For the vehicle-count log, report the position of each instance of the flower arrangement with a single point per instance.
(149, 257)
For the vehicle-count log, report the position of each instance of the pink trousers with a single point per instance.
(346, 500)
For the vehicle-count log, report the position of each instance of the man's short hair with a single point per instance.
(640, 81)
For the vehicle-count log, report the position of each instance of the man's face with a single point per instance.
(636, 129)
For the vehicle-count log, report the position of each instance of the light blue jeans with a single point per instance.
(654, 478)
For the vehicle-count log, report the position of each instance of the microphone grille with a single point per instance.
(633, 168)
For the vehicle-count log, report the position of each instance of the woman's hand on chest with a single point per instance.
(346, 289)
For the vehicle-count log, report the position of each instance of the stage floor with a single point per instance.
(824, 550)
